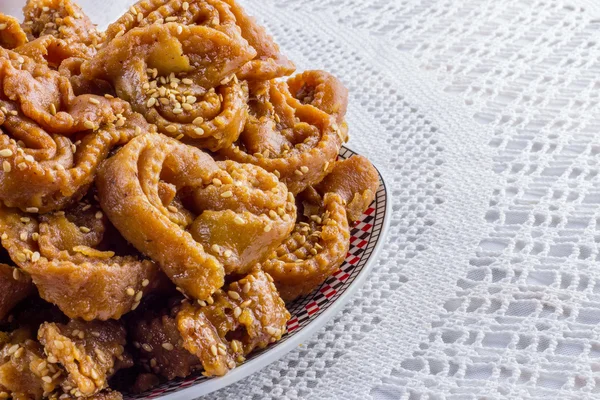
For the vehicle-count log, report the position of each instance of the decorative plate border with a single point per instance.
(309, 313)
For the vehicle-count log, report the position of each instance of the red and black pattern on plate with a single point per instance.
(364, 235)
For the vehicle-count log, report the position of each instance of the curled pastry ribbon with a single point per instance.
(216, 336)
(180, 78)
(295, 129)
(78, 261)
(223, 15)
(53, 31)
(197, 218)
(75, 358)
(320, 240)
(51, 141)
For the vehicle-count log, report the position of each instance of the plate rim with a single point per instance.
(268, 357)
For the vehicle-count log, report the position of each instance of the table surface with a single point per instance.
(484, 116)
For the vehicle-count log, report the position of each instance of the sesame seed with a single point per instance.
(298, 172)
(47, 379)
(213, 349)
(237, 312)
(239, 220)
(210, 300)
(52, 109)
(16, 274)
(172, 209)
(35, 256)
(227, 194)
(25, 219)
(267, 228)
(170, 19)
(145, 282)
(140, 17)
(6, 153)
(316, 218)
(185, 5)
(84, 229)
(134, 306)
(199, 131)
(171, 128)
(138, 296)
(35, 236)
(21, 257)
(13, 112)
(177, 111)
(187, 81)
(93, 100)
(179, 30)
(272, 331)
(272, 214)
(221, 351)
(228, 253)
(89, 124)
(3, 26)
(217, 182)
(133, 10)
(23, 236)
(138, 130)
(147, 347)
(187, 107)
(151, 102)
(4, 236)
(179, 137)
(59, 345)
(130, 291)
(168, 346)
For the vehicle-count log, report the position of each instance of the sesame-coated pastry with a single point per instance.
(78, 261)
(224, 15)
(213, 335)
(181, 78)
(294, 129)
(197, 218)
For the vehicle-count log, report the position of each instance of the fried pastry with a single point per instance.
(73, 260)
(179, 78)
(224, 15)
(298, 138)
(145, 187)
(214, 335)
(320, 240)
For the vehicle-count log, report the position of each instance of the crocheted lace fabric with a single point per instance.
(484, 116)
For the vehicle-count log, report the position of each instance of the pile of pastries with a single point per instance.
(165, 187)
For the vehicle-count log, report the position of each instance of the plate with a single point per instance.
(309, 313)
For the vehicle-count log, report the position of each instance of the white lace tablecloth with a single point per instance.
(484, 116)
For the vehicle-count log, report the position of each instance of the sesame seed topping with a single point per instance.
(267, 228)
(177, 111)
(210, 300)
(202, 303)
(93, 100)
(272, 214)
(35, 256)
(16, 274)
(4, 236)
(3, 26)
(52, 109)
(25, 219)
(246, 303)
(221, 351)
(168, 346)
(89, 124)
(228, 253)
(99, 215)
(187, 81)
(213, 349)
(185, 5)
(134, 306)
(170, 19)
(145, 282)
(237, 312)
(84, 229)
(171, 128)
(23, 236)
(199, 131)
(298, 172)
(246, 287)
(151, 102)
(35, 236)
(130, 291)
(227, 194)
(138, 296)
(179, 30)
(239, 220)
(233, 295)
(147, 347)
(6, 153)
(47, 379)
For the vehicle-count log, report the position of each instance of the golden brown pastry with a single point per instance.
(224, 15)
(89, 352)
(213, 335)
(180, 78)
(51, 139)
(145, 187)
(76, 262)
(63, 20)
(320, 240)
(11, 33)
(296, 135)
